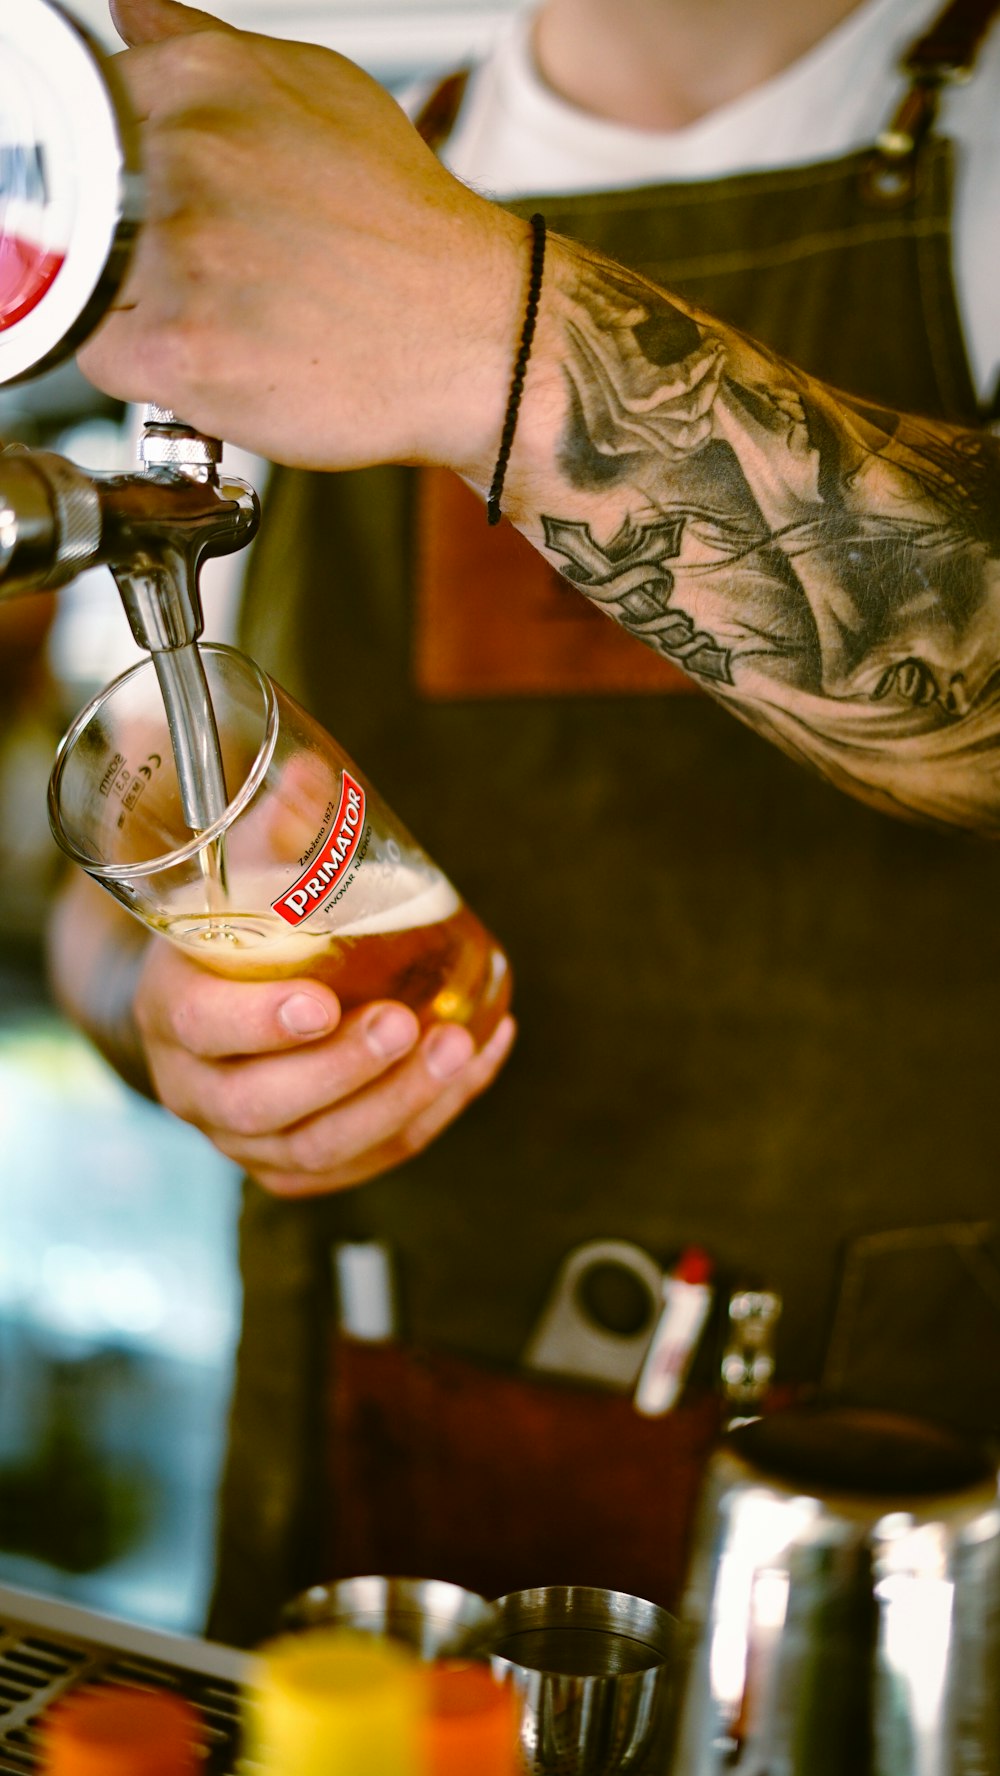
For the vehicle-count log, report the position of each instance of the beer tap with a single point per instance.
(152, 527)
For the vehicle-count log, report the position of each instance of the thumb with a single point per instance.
(149, 21)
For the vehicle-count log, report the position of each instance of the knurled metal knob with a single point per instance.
(77, 508)
(181, 449)
(169, 442)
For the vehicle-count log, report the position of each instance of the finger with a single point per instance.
(470, 1083)
(350, 1126)
(213, 1018)
(259, 1098)
(411, 1139)
(150, 21)
(342, 1150)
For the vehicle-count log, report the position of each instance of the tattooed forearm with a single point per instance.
(831, 570)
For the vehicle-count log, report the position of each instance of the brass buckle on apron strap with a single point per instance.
(944, 56)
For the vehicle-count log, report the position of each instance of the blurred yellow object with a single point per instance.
(333, 1700)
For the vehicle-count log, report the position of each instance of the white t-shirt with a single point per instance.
(516, 136)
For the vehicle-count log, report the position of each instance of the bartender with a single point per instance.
(754, 1014)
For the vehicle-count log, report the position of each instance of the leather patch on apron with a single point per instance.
(493, 618)
(494, 1481)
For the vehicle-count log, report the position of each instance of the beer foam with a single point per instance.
(430, 903)
(232, 939)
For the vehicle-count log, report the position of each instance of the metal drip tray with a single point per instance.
(47, 1648)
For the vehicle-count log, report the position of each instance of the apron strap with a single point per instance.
(948, 49)
(436, 118)
(944, 55)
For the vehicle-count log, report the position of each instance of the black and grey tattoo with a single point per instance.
(831, 570)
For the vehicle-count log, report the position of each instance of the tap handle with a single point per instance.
(50, 520)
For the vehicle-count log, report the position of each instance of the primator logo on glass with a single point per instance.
(313, 886)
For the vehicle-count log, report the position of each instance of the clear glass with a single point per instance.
(306, 874)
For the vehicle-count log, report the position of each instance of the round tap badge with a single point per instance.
(69, 186)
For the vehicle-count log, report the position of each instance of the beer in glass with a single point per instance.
(306, 874)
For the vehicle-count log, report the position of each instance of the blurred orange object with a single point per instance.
(471, 1723)
(119, 1731)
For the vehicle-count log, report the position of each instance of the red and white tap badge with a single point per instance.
(313, 886)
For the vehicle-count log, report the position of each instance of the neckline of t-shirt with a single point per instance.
(511, 83)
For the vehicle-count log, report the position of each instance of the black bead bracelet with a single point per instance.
(493, 513)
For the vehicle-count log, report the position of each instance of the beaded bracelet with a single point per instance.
(493, 513)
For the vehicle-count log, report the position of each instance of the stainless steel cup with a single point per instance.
(594, 1670)
(437, 1619)
(843, 1603)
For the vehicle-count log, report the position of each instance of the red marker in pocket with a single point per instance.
(687, 1303)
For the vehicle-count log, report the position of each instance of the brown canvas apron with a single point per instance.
(770, 1028)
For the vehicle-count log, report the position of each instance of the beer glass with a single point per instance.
(305, 872)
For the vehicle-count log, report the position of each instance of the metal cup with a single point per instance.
(843, 1602)
(437, 1619)
(594, 1671)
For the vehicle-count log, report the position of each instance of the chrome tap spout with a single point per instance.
(152, 527)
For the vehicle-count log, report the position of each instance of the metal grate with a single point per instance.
(36, 1668)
